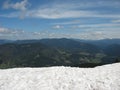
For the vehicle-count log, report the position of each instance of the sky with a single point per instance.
(80, 19)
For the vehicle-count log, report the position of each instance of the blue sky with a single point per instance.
(82, 19)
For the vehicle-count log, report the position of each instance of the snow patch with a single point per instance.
(105, 77)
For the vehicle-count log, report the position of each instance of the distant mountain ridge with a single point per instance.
(57, 52)
(95, 42)
(71, 45)
(3, 41)
(101, 43)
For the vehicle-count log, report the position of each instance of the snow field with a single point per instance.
(105, 77)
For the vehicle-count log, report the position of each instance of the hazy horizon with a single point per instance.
(64, 38)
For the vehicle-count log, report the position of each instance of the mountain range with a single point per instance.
(58, 52)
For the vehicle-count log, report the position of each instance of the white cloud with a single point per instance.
(102, 33)
(98, 31)
(18, 5)
(103, 25)
(116, 21)
(21, 6)
(94, 35)
(72, 10)
(2, 30)
(58, 13)
(68, 10)
(68, 22)
(57, 27)
(59, 10)
(8, 31)
(36, 33)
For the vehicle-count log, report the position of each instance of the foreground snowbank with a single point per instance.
(61, 78)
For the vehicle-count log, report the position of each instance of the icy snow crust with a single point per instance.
(61, 78)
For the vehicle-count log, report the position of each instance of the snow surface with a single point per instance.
(61, 78)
